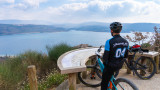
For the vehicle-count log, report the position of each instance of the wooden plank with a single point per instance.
(32, 77)
(73, 70)
(72, 81)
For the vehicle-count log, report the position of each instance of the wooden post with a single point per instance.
(142, 62)
(84, 74)
(151, 68)
(157, 64)
(72, 81)
(128, 70)
(32, 77)
(157, 58)
(156, 48)
(77, 79)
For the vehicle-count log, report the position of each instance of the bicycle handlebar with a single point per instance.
(99, 50)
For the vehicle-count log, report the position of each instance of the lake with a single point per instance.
(19, 43)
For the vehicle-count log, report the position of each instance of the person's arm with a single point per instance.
(106, 52)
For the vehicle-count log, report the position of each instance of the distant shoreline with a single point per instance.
(52, 32)
(30, 33)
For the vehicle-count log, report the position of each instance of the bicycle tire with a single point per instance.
(142, 73)
(124, 84)
(91, 83)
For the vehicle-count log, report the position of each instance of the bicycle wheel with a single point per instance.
(90, 77)
(145, 67)
(124, 84)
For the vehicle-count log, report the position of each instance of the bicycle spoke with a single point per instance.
(121, 86)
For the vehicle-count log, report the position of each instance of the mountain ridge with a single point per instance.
(87, 26)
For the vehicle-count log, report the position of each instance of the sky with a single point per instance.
(78, 11)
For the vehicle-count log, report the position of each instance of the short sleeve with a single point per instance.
(107, 45)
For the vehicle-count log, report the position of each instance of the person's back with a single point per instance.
(116, 49)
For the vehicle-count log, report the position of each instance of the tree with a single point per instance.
(157, 36)
(138, 37)
(155, 40)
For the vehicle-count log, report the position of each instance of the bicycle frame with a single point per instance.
(102, 67)
(131, 63)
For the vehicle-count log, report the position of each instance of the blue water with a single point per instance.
(19, 43)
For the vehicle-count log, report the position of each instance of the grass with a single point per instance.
(57, 50)
(13, 72)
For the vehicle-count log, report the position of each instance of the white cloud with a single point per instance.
(7, 1)
(95, 10)
(34, 3)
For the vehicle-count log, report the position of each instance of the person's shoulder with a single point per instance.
(124, 39)
(109, 39)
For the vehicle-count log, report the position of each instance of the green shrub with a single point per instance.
(146, 45)
(53, 79)
(41, 61)
(14, 70)
(56, 51)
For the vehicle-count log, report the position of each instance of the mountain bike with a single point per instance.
(143, 67)
(115, 84)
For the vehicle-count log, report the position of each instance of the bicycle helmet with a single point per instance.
(116, 27)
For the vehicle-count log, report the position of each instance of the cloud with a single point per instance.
(84, 11)
(34, 3)
(7, 1)
(108, 10)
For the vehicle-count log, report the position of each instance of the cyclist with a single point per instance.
(116, 49)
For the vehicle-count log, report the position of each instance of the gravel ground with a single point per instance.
(151, 84)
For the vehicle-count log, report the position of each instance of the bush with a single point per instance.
(14, 70)
(53, 79)
(56, 51)
(41, 61)
(146, 45)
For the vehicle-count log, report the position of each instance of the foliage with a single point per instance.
(13, 72)
(155, 40)
(54, 78)
(138, 37)
(56, 51)
(41, 61)
(146, 45)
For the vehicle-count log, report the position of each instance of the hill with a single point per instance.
(21, 28)
(13, 27)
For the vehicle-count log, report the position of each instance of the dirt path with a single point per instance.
(151, 84)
